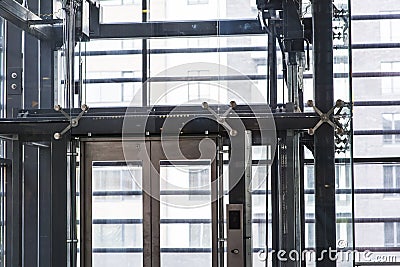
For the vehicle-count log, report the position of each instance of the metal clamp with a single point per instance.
(325, 117)
(74, 122)
(221, 119)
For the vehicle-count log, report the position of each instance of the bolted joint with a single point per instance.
(57, 107)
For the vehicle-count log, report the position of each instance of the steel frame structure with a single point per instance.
(42, 161)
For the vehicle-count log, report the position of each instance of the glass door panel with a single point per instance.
(185, 213)
(117, 214)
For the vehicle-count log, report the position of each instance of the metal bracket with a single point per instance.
(221, 119)
(74, 122)
(326, 117)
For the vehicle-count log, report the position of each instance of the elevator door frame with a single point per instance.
(112, 150)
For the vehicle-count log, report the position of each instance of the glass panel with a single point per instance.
(196, 70)
(120, 11)
(185, 213)
(161, 10)
(117, 214)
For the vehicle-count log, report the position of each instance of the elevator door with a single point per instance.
(156, 208)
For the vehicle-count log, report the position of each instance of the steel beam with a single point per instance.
(324, 146)
(58, 209)
(30, 204)
(178, 29)
(46, 62)
(20, 16)
(240, 163)
(14, 209)
(45, 207)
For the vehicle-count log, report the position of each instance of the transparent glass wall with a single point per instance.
(376, 72)
(117, 213)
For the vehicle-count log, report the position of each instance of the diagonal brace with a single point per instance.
(74, 122)
(221, 119)
(326, 117)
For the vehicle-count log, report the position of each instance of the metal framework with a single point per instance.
(41, 160)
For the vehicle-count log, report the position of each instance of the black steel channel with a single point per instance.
(58, 202)
(31, 158)
(145, 58)
(237, 194)
(13, 69)
(302, 201)
(14, 209)
(275, 204)
(44, 207)
(46, 62)
(72, 191)
(220, 199)
(272, 65)
(30, 206)
(324, 148)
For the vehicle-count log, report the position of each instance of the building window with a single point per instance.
(391, 122)
(391, 177)
(392, 234)
(197, 2)
(199, 179)
(390, 85)
(260, 231)
(199, 235)
(390, 29)
(196, 89)
(310, 183)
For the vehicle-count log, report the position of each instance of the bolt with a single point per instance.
(74, 122)
(233, 104)
(310, 103)
(13, 86)
(57, 136)
(14, 75)
(339, 103)
(57, 107)
(84, 107)
(233, 132)
(311, 131)
(204, 105)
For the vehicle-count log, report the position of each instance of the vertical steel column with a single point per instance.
(46, 100)
(14, 209)
(275, 205)
(272, 65)
(325, 214)
(13, 69)
(45, 207)
(46, 62)
(287, 198)
(145, 58)
(289, 184)
(31, 159)
(58, 202)
(71, 207)
(302, 212)
(240, 192)
(30, 204)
